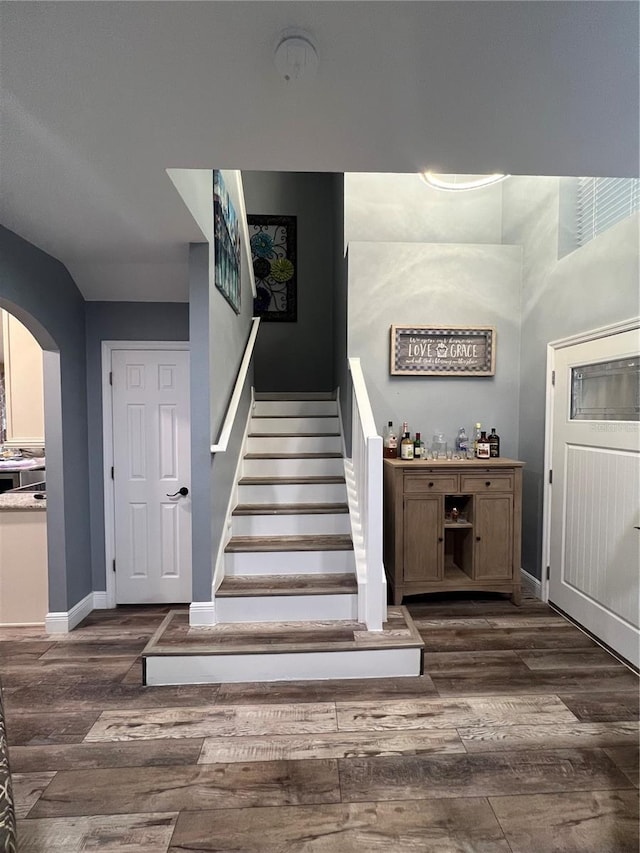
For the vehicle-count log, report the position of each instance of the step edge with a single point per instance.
(291, 648)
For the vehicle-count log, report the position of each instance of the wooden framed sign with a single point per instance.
(454, 350)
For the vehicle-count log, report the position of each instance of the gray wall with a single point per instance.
(451, 269)
(299, 356)
(41, 293)
(218, 338)
(594, 286)
(342, 379)
(403, 208)
(437, 284)
(118, 321)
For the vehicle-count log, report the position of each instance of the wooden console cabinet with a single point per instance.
(428, 549)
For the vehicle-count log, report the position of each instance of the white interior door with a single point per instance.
(151, 455)
(595, 503)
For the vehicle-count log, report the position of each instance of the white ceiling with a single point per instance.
(99, 98)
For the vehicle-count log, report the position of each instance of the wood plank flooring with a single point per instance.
(520, 737)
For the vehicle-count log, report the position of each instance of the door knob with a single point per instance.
(184, 491)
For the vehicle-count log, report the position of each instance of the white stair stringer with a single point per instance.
(295, 408)
(273, 443)
(287, 608)
(289, 424)
(292, 524)
(292, 466)
(269, 492)
(242, 563)
(282, 666)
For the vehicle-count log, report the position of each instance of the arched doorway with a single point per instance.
(24, 532)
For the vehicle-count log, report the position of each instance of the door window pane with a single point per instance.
(608, 391)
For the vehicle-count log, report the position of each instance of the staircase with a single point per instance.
(287, 607)
(290, 557)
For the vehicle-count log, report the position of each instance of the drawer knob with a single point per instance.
(478, 538)
(440, 539)
(430, 485)
(487, 483)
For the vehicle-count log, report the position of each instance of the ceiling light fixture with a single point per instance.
(458, 183)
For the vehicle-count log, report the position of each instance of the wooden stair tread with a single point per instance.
(298, 417)
(291, 509)
(322, 542)
(294, 435)
(293, 455)
(295, 396)
(267, 585)
(289, 481)
(176, 637)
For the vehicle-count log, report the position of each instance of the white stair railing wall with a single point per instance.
(364, 485)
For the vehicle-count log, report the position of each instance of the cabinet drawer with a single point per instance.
(426, 483)
(474, 483)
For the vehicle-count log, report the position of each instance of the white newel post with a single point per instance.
(366, 452)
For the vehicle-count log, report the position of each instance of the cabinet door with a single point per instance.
(423, 538)
(493, 532)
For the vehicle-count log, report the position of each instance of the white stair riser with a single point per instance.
(295, 444)
(285, 666)
(293, 467)
(302, 408)
(304, 493)
(289, 425)
(287, 608)
(290, 525)
(288, 562)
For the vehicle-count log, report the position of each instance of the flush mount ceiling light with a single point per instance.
(458, 183)
(296, 57)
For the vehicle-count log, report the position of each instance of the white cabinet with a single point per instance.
(24, 584)
(23, 385)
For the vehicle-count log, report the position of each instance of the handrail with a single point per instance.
(234, 402)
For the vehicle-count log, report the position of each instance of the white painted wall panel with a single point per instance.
(602, 507)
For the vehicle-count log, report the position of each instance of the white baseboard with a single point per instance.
(61, 622)
(530, 584)
(100, 601)
(201, 614)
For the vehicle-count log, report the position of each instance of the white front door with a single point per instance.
(595, 503)
(152, 462)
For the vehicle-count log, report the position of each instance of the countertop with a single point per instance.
(26, 463)
(21, 501)
(471, 464)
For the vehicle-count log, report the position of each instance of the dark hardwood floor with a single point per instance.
(521, 737)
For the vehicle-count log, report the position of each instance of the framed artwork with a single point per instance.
(273, 253)
(226, 242)
(454, 350)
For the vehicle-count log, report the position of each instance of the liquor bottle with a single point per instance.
(484, 448)
(417, 447)
(494, 444)
(406, 445)
(390, 442)
(462, 442)
(476, 437)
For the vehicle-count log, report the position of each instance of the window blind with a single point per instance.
(602, 202)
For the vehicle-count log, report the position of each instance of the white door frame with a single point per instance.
(107, 448)
(581, 338)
